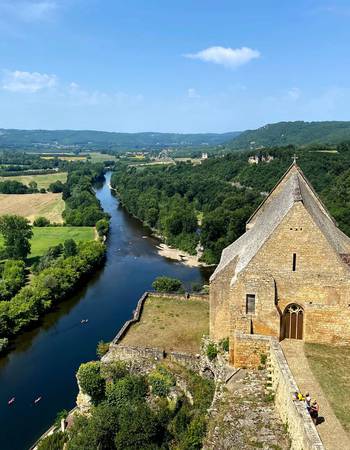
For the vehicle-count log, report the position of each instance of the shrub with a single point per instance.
(225, 344)
(102, 227)
(194, 435)
(166, 284)
(212, 351)
(70, 248)
(161, 380)
(41, 222)
(90, 380)
(53, 442)
(102, 348)
(61, 415)
(125, 390)
(196, 287)
(113, 371)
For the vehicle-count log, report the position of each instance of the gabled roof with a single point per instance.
(292, 187)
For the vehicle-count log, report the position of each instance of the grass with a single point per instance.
(46, 237)
(170, 324)
(100, 157)
(331, 367)
(31, 206)
(43, 180)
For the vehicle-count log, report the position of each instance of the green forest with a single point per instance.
(209, 204)
(292, 133)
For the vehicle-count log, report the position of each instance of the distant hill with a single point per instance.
(297, 133)
(86, 139)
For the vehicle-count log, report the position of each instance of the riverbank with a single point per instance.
(165, 250)
(179, 255)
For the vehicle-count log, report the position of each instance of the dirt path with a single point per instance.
(331, 432)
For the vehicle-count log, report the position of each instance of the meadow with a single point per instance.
(43, 181)
(45, 237)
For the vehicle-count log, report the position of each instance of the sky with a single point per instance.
(172, 65)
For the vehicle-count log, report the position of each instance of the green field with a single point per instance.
(46, 237)
(99, 157)
(43, 181)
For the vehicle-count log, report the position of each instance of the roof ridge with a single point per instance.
(297, 197)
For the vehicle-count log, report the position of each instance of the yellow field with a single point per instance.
(31, 206)
(43, 181)
(66, 158)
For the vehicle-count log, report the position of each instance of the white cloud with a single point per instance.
(192, 93)
(18, 81)
(27, 10)
(294, 93)
(226, 56)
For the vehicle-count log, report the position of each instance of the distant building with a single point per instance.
(204, 155)
(256, 159)
(288, 275)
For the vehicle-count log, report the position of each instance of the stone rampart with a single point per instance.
(294, 415)
(139, 307)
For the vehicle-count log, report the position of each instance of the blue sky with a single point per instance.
(172, 65)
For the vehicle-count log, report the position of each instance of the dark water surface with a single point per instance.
(45, 360)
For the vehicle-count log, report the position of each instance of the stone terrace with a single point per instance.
(170, 323)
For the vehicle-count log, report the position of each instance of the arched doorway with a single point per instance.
(292, 322)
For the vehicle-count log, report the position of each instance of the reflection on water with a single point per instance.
(45, 359)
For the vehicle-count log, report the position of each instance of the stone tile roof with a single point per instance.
(293, 187)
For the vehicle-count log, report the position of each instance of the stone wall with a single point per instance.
(320, 285)
(144, 359)
(294, 415)
(248, 351)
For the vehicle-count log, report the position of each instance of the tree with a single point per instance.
(102, 227)
(69, 248)
(41, 222)
(166, 284)
(90, 380)
(16, 232)
(56, 186)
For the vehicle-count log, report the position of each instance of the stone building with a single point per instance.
(288, 275)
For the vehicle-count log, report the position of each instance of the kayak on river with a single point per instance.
(37, 400)
(11, 401)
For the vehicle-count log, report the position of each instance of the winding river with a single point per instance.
(44, 360)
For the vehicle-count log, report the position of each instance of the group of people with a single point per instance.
(312, 407)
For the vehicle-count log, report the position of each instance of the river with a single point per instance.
(44, 360)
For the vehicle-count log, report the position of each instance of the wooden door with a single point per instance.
(293, 318)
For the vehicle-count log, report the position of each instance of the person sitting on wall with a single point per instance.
(298, 396)
(308, 401)
(314, 409)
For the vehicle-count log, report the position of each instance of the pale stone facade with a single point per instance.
(288, 275)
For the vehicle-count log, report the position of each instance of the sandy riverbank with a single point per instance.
(179, 255)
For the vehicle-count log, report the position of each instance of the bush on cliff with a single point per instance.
(166, 284)
(91, 381)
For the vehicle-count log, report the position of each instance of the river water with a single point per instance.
(45, 360)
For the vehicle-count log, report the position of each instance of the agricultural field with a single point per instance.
(45, 237)
(31, 206)
(43, 181)
(99, 157)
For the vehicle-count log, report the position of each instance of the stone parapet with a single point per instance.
(247, 353)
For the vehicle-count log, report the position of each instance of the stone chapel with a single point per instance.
(288, 275)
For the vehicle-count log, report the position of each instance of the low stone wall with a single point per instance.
(249, 351)
(293, 413)
(301, 428)
(146, 358)
(186, 296)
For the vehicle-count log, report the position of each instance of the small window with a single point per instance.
(250, 304)
(294, 262)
